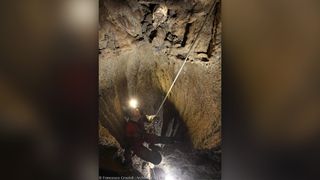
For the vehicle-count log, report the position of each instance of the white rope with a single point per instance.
(186, 58)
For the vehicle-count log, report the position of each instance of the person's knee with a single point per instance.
(157, 158)
(151, 156)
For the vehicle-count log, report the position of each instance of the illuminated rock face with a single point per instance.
(142, 46)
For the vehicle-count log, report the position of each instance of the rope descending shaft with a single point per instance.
(186, 58)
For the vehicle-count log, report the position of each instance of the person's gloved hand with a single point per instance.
(151, 118)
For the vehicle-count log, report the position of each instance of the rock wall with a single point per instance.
(142, 46)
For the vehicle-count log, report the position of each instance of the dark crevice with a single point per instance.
(140, 39)
(170, 37)
(213, 33)
(174, 15)
(185, 36)
(152, 35)
(144, 18)
(152, 7)
(201, 52)
(170, 113)
(210, 48)
(145, 9)
(180, 56)
(205, 59)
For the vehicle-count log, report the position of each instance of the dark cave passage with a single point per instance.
(174, 126)
(180, 159)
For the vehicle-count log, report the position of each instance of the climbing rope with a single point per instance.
(186, 58)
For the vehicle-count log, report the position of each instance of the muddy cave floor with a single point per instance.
(180, 161)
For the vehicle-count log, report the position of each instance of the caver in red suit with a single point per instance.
(136, 135)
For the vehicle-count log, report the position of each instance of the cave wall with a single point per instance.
(142, 46)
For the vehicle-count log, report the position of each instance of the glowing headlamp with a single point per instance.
(133, 103)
